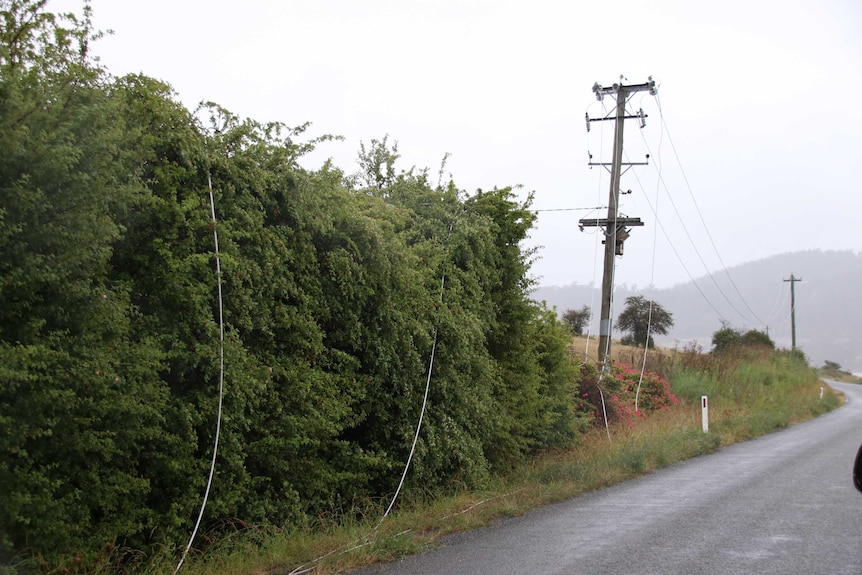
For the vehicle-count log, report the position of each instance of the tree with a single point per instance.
(641, 319)
(577, 319)
(729, 338)
(725, 338)
(756, 338)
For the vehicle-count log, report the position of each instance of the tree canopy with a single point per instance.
(577, 319)
(728, 338)
(641, 318)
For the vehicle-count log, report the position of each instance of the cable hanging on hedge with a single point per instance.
(424, 401)
(304, 568)
(220, 383)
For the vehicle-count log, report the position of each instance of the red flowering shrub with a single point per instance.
(622, 400)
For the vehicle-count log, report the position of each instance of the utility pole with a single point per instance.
(614, 226)
(793, 281)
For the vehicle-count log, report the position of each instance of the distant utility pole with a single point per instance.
(615, 227)
(793, 281)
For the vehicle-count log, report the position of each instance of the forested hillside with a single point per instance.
(338, 291)
(828, 314)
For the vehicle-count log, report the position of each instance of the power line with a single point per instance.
(700, 214)
(693, 244)
(682, 263)
(776, 307)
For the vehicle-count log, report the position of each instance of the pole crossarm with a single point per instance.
(606, 118)
(639, 116)
(605, 222)
(623, 164)
(616, 89)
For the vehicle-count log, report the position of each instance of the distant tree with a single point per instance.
(725, 338)
(641, 319)
(577, 319)
(756, 338)
(728, 337)
(832, 365)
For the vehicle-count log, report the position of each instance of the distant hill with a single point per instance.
(754, 296)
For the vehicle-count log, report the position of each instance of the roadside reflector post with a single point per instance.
(821, 393)
(704, 413)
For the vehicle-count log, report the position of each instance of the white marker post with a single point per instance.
(704, 413)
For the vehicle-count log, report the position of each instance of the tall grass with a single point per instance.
(750, 393)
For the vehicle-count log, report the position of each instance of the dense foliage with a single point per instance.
(337, 292)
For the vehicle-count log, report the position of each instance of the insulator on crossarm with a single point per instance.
(597, 89)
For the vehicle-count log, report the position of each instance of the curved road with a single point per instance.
(784, 503)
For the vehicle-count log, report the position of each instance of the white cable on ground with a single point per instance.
(220, 383)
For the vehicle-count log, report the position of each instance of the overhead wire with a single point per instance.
(696, 250)
(694, 282)
(688, 273)
(700, 214)
(787, 317)
(659, 164)
(668, 238)
(776, 307)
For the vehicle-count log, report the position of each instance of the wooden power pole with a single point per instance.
(615, 227)
(793, 281)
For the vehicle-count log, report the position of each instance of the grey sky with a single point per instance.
(759, 99)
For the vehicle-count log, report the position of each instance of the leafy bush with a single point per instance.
(728, 338)
(624, 394)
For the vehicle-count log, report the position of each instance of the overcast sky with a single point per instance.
(758, 100)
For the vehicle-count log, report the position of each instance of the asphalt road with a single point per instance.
(784, 503)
